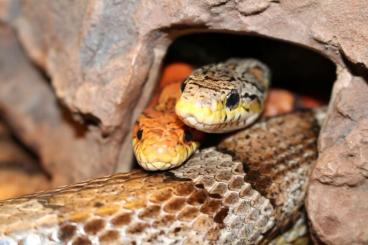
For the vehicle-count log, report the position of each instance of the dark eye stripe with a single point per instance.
(250, 96)
(254, 83)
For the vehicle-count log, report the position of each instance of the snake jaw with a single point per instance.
(195, 115)
(153, 157)
(218, 118)
(162, 141)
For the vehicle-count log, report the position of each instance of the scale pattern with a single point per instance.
(277, 156)
(214, 198)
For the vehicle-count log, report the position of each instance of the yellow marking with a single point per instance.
(135, 204)
(107, 210)
(185, 109)
(255, 107)
(79, 216)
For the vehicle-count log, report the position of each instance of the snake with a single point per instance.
(244, 191)
(215, 98)
(160, 139)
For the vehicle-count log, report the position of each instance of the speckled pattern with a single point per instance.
(212, 199)
(225, 96)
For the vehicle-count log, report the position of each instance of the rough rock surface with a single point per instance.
(338, 191)
(101, 55)
(30, 106)
(19, 172)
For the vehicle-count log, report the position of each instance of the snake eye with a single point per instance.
(182, 86)
(188, 135)
(232, 99)
(139, 134)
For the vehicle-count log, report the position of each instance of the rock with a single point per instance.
(19, 172)
(337, 197)
(68, 149)
(103, 60)
(249, 7)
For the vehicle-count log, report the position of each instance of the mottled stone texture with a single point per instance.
(68, 149)
(338, 192)
(102, 59)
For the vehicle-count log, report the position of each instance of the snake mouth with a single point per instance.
(155, 166)
(219, 120)
(219, 127)
(153, 157)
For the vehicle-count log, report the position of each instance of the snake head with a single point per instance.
(162, 141)
(223, 97)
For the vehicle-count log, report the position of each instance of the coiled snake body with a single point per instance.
(242, 192)
(212, 199)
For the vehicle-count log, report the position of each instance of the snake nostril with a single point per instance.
(139, 134)
(232, 99)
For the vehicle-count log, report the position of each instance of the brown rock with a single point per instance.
(68, 149)
(338, 193)
(19, 172)
(248, 7)
(17, 180)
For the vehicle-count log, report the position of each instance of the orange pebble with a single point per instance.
(175, 72)
(278, 101)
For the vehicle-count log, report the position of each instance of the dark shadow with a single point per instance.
(78, 122)
(293, 67)
(33, 166)
(355, 69)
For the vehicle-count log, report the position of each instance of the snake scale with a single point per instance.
(242, 192)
